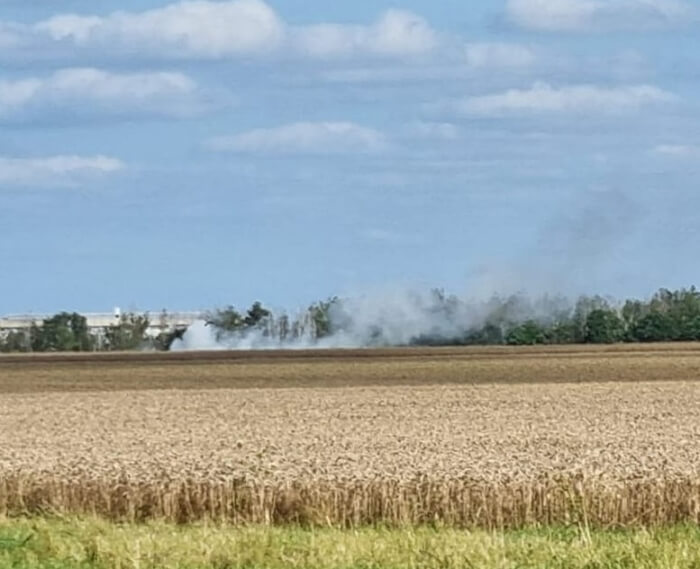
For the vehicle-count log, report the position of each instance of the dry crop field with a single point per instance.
(488, 437)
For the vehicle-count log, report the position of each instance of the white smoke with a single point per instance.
(399, 318)
(395, 318)
(272, 333)
(199, 336)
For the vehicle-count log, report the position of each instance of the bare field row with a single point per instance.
(347, 368)
(353, 353)
(488, 454)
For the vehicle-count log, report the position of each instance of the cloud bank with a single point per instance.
(202, 29)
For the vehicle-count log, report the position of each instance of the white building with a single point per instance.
(97, 323)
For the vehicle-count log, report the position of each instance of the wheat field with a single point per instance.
(467, 438)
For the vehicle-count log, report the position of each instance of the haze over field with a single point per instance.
(192, 154)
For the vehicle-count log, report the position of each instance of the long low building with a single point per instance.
(159, 321)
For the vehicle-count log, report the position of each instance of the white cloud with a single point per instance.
(14, 94)
(304, 138)
(395, 33)
(88, 90)
(543, 98)
(489, 55)
(678, 150)
(207, 29)
(198, 28)
(55, 170)
(598, 15)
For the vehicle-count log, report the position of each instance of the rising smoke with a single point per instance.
(397, 319)
(572, 252)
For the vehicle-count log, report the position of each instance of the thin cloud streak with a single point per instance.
(490, 55)
(59, 170)
(576, 16)
(678, 150)
(304, 138)
(543, 98)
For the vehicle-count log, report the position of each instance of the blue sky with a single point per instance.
(195, 154)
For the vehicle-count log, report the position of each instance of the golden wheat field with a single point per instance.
(466, 437)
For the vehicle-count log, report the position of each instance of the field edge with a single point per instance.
(90, 543)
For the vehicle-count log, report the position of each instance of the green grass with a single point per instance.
(94, 544)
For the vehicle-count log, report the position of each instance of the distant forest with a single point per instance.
(444, 320)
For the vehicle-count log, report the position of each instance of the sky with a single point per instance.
(197, 154)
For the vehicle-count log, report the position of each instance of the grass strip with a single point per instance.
(96, 544)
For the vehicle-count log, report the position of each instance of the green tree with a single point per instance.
(684, 313)
(585, 305)
(632, 312)
(224, 321)
(165, 340)
(528, 333)
(321, 316)
(562, 332)
(654, 327)
(129, 334)
(64, 332)
(256, 315)
(488, 334)
(15, 341)
(604, 326)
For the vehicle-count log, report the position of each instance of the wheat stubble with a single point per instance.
(498, 455)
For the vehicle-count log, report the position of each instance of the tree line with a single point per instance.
(69, 332)
(668, 316)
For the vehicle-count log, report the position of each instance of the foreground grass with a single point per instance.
(88, 544)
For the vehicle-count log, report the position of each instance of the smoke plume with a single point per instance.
(401, 318)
